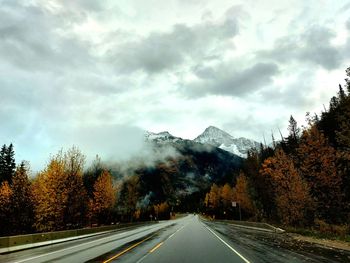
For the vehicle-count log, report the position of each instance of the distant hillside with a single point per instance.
(187, 172)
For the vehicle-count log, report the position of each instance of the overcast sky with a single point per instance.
(94, 73)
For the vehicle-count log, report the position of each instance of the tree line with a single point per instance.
(301, 180)
(64, 195)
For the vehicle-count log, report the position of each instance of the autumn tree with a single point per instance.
(212, 199)
(91, 174)
(22, 213)
(261, 190)
(242, 196)
(104, 193)
(59, 194)
(291, 192)
(128, 197)
(162, 210)
(318, 166)
(5, 208)
(226, 196)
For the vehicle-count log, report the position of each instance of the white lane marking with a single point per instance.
(223, 241)
(84, 244)
(141, 259)
(176, 231)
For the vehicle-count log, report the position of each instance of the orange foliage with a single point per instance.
(291, 192)
(226, 195)
(161, 210)
(59, 194)
(5, 198)
(104, 196)
(212, 199)
(318, 166)
(242, 196)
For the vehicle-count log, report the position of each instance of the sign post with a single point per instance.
(234, 204)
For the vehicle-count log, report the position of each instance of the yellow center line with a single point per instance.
(156, 247)
(129, 248)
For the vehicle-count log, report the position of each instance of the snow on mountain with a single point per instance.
(212, 136)
(219, 138)
(161, 137)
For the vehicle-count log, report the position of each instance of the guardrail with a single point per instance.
(249, 224)
(45, 238)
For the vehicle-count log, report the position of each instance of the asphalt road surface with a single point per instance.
(187, 239)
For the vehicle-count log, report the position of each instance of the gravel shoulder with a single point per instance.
(262, 246)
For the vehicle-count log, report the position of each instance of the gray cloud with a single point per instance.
(295, 94)
(223, 80)
(161, 51)
(73, 72)
(32, 39)
(313, 46)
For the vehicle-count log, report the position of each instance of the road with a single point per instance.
(187, 239)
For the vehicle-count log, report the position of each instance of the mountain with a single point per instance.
(161, 137)
(211, 136)
(219, 138)
(180, 171)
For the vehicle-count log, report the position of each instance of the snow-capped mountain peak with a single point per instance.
(212, 136)
(164, 136)
(219, 138)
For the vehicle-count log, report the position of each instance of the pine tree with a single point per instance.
(7, 163)
(292, 141)
(22, 201)
(91, 174)
(3, 163)
(262, 190)
(129, 195)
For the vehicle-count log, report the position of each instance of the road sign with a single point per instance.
(234, 204)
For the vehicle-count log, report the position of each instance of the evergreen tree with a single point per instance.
(291, 142)
(7, 163)
(92, 174)
(22, 201)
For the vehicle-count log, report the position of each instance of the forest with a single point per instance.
(301, 180)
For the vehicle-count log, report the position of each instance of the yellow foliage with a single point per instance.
(5, 196)
(104, 195)
(226, 195)
(291, 192)
(212, 198)
(242, 196)
(59, 194)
